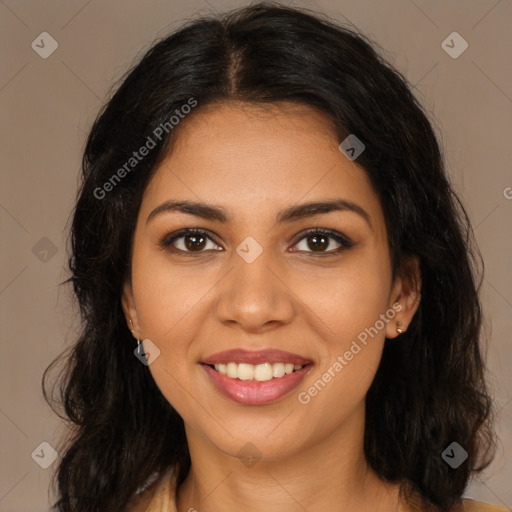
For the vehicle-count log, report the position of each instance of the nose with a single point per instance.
(255, 296)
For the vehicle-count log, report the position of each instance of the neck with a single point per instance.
(331, 475)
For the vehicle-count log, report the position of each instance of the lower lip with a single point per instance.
(252, 392)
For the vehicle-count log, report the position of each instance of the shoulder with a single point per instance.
(412, 501)
(478, 506)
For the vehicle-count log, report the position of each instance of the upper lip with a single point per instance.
(256, 357)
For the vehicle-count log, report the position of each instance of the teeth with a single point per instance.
(277, 369)
(245, 371)
(260, 372)
(232, 370)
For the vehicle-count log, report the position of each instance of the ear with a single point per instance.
(130, 312)
(405, 297)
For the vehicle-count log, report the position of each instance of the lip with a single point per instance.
(252, 392)
(256, 357)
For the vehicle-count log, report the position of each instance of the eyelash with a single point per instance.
(345, 242)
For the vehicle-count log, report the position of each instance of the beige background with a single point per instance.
(47, 106)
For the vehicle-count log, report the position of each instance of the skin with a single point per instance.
(255, 161)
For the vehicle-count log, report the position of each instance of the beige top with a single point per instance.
(160, 497)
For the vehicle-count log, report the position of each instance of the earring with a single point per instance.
(140, 347)
(399, 329)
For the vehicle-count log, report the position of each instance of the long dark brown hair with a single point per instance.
(429, 390)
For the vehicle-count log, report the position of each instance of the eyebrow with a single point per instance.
(290, 214)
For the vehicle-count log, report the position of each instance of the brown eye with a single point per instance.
(189, 241)
(322, 241)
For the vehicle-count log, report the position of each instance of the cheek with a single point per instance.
(165, 294)
(348, 299)
(352, 305)
(167, 305)
(167, 309)
(351, 308)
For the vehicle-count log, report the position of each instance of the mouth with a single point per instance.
(256, 378)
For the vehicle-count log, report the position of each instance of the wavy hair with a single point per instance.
(429, 389)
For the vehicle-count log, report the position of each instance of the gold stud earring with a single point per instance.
(399, 329)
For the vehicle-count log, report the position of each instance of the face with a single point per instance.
(279, 283)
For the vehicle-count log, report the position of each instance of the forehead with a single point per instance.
(265, 157)
(256, 138)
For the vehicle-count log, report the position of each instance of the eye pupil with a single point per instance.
(195, 241)
(319, 242)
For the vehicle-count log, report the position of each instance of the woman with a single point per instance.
(277, 285)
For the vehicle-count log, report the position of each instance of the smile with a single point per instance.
(255, 378)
